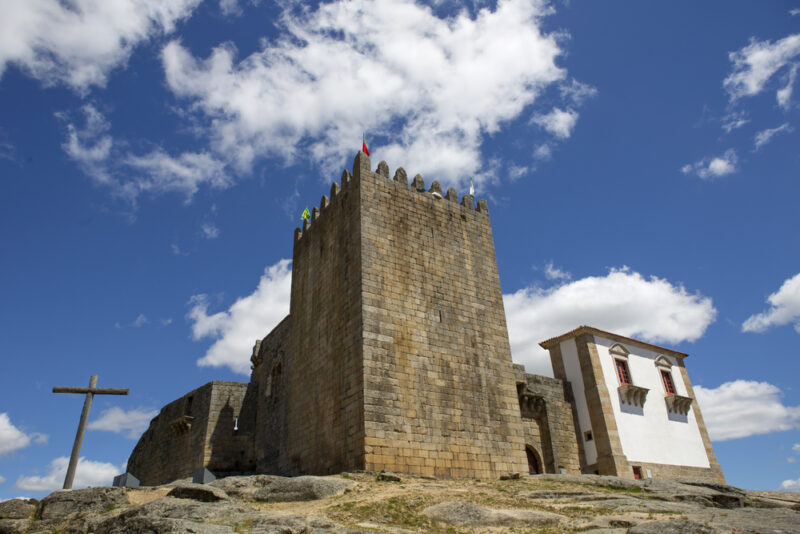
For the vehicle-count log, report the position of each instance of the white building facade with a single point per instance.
(633, 406)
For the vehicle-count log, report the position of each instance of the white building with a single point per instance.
(634, 409)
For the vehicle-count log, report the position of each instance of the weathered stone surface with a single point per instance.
(268, 488)
(17, 508)
(198, 492)
(14, 526)
(387, 476)
(468, 514)
(64, 503)
(671, 526)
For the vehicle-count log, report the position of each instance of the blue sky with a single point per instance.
(640, 161)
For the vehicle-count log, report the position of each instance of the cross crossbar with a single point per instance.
(90, 392)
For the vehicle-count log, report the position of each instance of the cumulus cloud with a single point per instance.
(709, 168)
(745, 408)
(756, 63)
(796, 447)
(12, 438)
(140, 321)
(88, 473)
(79, 42)
(209, 230)
(434, 86)
(558, 122)
(131, 423)
(554, 273)
(128, 175)
(623, 301)
(790, 485)
(765, 136)
(784, 308)
(249, 318)
(577, 92)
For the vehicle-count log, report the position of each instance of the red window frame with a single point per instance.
(666, 378)
(622, 372)
(637, 472)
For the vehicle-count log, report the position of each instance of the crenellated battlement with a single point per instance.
(362, 170)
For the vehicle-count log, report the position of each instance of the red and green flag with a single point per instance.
(364, 145)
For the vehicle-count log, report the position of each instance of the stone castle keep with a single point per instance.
(395, 355)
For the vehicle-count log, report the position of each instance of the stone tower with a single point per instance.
(395, 354)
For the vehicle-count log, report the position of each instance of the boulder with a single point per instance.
(65, 503)
(198, 492)
(671, 526)
(469, 514)
(17, 508)
(269, 488)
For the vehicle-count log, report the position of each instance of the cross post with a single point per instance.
(90, 392)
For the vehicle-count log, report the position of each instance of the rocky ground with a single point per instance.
(370, 503)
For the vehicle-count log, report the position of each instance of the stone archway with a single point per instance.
(534, 461)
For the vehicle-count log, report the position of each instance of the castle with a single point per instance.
(395, 355)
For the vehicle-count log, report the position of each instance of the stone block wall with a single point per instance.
(324, 430)
(271, 391)
(439, 389)
(549, 425)
(194, 431)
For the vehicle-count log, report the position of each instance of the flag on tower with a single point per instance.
(471, 189)
(364, 144)
(305, 216)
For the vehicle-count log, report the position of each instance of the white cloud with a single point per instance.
(210, 231)
(140, 321)
(88, 473)
(763, 137)
(78, 42)
(796, 447)
(12, 438)
(577, 92)
(790, 485)
(708, 168)
(757, 62)
(784, 308)
(248, 319)
(129, 175)
(791, 459)
(554, 273)
(734, 120)
(784, 94)
(131, 423)
(515, 172)
(745, 408)
(623, 302)
(558, 122)
(230, 7)
(433, 86)
(795, 11)
(543, 152)
(2, 479)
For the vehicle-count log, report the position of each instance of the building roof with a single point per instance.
(583, 329)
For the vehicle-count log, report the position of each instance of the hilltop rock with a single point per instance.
(468, 514)
(66, 503)
(269, 488)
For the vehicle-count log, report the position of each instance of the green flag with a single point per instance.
(305, 216)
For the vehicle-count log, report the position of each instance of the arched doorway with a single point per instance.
(534, 461)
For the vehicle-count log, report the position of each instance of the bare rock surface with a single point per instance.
(469, 514)
(65, 503)
(354, 503)
(269, 488)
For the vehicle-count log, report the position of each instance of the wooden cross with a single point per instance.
(90, 392)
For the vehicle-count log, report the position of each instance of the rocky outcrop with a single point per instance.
(359, 503)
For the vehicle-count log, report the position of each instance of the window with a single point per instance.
(588, 435)
(622, 372)
(669, 387)
(637, 472)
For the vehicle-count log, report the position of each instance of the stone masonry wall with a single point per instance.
(439, 389)
(181, 437)
(324, 397)
(270, 399)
